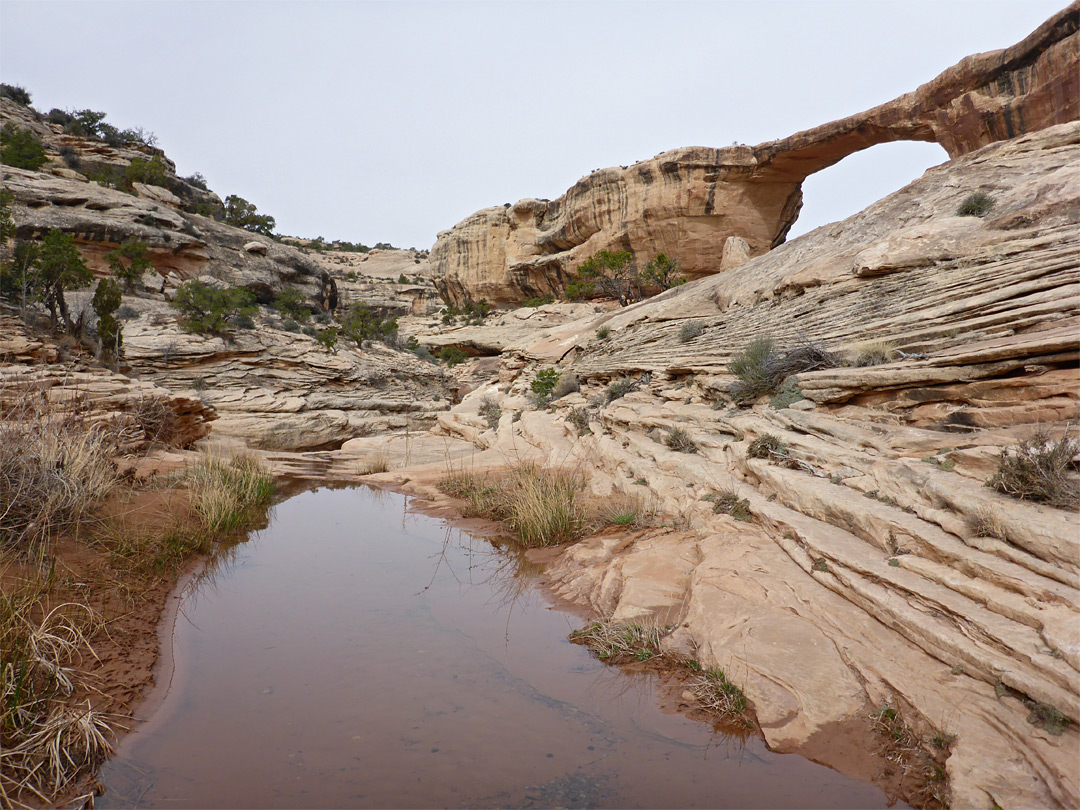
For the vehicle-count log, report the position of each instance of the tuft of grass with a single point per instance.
(542, 507)
(1040, 469)
(229, 496)
(985, 523)
(376, 463)
(691, 330)
(45, 743)
(872, 353)
(766, 446)
(620, 510)
(619, 642)
(603, 333)
(491, 411)
(789, 394)
(717, 695)
(728, 502)
(155, 552)
(977, 204)
(679, 441)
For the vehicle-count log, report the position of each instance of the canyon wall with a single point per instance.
(700, 203)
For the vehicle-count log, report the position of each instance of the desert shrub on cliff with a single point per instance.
(761, 368)
(473, 312)
(58, 266)
(292, 304)
(691, 330)
(452, 355)
(70, 157)
(152, 172)
(21, 149)
(205, 310)
(542, 386)
(615, 274)
(328, 337)
(1041, 469)
(538, 301)
(872, 353)
(242, 214)
(680, 441)
(975, 205)
(362, 323)
(196, 180)
(20, 95)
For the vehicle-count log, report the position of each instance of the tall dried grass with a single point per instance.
(45, 742)
(229, 496)
(53, 467)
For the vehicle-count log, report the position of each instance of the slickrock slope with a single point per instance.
(867, 577)
(712, 207)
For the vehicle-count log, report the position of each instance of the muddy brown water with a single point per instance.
(358, 654)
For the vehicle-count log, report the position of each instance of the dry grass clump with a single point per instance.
(490, 411)
(566, 384)
(45, 743)
(620, 643)
(542, 507)
(872, 353)
(579, 418)
(679, 441)
(157, 418)
(621, 510)
(986, 523)
(766, 446)
(760, 367)
(375, 463)
(717, 695)
(229, 496)
(1040, 469)
(53, 469)
(620, 388)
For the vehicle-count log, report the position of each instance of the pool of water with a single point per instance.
(358, 654)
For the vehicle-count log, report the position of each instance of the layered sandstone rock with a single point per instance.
(689, 202)
(868, 576)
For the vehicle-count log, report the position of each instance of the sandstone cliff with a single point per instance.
(701, 203)
(878, 569)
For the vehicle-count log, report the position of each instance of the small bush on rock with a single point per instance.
(975, 205)
(452, 355)
(679, 441)
(872, 353)
(544, 383)
(764, 446)
(205, 310)
(491, 412)
(690, 331)
(1040, 469)
(21, 148)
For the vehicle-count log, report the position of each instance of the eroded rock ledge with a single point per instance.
(701, 203)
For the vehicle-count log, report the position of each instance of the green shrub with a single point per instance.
(760, 368)
(603, 333)
(292, 304)
(579, 418)
(491, 412)
(544, 383)
(788, 394)
(196, 180)
(473, 312)
(21, 148)
(538, 301)
(662, 272)
(205, 310)
(70, 157)
(106, 302)
(18, 94)
(328, 337)
(452, 355)
(58, 267)
(403, 279)
(690, 331)
(242, 214)
(289, 325)
(129, 261)
(620, 388)
(151, 172)
(362, 323)
(975, 205)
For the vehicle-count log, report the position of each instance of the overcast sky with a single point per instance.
(391, 121)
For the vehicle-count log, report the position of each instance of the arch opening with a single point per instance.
(861, 179)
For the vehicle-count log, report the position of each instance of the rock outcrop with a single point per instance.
(689, 202)
(879, 569)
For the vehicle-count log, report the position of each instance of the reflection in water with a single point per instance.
(357, 654)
